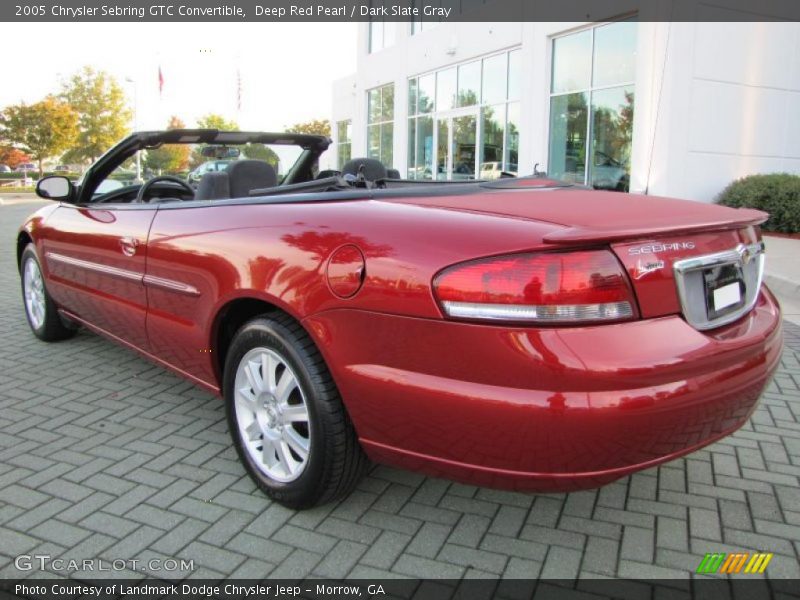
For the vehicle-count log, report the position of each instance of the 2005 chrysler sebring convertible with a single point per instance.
(520, 333)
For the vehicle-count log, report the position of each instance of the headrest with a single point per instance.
(372, 169)
(246, 175)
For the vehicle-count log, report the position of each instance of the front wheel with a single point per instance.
(285, 416)
(43, 317)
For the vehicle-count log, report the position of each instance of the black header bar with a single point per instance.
(276, 11)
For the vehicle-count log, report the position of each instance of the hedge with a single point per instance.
(35, 175)
(119, 175)
(777, 194)
(16, 190)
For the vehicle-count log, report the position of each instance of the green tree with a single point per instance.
(210, 121)
(170, 158)
(41, 130)
(261, 152)
(215, 121)
(102, 112)
(315, 127)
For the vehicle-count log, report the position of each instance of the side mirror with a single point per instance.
(54, 187)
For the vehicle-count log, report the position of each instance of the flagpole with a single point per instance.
(238, 88)
(160, 94)
(136, 123)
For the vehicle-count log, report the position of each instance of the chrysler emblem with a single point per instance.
(746, 253)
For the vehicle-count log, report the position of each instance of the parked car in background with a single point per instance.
(61, 169)
(24, 167)
(523, 333)
(207, 167)
(608, 173)
(494, 169)
(5, 169)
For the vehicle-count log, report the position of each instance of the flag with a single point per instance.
(160, 81)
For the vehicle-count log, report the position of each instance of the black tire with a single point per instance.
(52, 327)
(336, 461)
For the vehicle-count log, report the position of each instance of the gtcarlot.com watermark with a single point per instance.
(45, 562)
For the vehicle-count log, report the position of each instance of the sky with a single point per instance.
(286, 69)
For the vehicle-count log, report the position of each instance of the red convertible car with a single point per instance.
(521, 333)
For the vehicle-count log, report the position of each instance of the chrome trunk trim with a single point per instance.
(691, 288)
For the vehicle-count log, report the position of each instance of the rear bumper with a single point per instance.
(545, 409)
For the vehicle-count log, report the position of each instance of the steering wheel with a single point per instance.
(140, 197)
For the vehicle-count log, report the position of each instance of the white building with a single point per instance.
(670, 108)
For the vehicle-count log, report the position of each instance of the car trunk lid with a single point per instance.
(648, 234)
(588, 215)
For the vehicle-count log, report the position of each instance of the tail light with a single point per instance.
(557, 287)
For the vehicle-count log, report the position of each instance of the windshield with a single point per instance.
(190, 162)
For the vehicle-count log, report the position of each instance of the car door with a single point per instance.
(95, 261)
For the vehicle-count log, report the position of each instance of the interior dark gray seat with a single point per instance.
(247, 175)
(213, 185)
(372, 169)
(237, 181)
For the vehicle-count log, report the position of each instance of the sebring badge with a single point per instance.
(655, 248)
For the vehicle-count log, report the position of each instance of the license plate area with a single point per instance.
(725, 290)
(717, 289)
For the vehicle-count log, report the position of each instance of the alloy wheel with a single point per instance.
(34, 293)
(272, 415)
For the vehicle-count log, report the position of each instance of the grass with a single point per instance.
(16, 190)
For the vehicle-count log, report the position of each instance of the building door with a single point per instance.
(457, 143)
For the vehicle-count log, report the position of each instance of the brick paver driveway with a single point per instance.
(105, 455)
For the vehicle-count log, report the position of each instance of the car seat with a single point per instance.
(247, 175)
(371, 169)
(213, 185)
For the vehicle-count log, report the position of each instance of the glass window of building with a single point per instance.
(446, 89)
(512, 139)
(495, 78)
(469, 84)
(343, 142)
(514, 75)
(464, 120)
(418, 25)
(381, 33)
(426, 91)
(380, 123)
(591, 106)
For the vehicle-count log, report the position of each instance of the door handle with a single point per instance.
(128, 245)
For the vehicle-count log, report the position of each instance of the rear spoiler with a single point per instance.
(746, 217)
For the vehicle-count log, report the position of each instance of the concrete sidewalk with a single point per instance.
(783, 274)
(9, 198)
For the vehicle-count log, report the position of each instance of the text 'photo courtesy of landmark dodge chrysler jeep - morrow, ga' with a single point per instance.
(521, 333)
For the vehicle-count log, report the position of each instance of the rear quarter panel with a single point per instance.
(279, 253)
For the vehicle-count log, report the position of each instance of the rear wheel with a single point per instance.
(285, 416)
(43, 317)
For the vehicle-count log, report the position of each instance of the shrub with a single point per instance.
(35, 175)
(777, 194)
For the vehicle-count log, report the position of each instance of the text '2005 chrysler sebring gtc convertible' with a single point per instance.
(521, 333)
